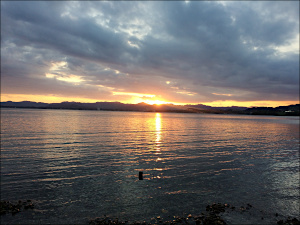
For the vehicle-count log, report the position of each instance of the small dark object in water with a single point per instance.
(140, 175)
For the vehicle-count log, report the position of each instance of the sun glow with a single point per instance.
(155, 102)
(53, 98)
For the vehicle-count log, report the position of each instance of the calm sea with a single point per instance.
(79, 165)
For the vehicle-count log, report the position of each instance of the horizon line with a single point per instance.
(187, 104)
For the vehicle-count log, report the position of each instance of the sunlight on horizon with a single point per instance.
(59, 99)
(155, 102)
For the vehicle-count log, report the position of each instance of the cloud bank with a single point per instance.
(187, 52)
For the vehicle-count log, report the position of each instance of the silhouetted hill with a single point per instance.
(24, 104)
(291, 110)
(112, 106)
(200, 108)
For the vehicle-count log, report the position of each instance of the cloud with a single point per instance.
(207, 51)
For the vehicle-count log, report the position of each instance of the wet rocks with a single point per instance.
(8, 207)
(108, 221)
(215, 214)
(217, 208)
(105, 221)
(211, 217)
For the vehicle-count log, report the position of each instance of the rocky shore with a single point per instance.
(210, 217)
(213, 215)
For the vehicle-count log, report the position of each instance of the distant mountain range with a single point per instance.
(291, 110)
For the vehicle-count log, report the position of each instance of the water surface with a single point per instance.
(78, 165)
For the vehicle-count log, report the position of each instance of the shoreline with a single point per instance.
(291, 110)
(214, 214)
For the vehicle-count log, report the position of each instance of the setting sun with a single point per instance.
(155, 102)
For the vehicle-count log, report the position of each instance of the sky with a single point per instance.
(218, 53)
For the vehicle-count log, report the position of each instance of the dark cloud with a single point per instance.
(194, 51)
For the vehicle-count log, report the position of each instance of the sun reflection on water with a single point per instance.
(158, 145)
(158, 132)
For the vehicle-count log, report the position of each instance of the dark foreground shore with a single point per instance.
(215, 214)
(212, 216)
